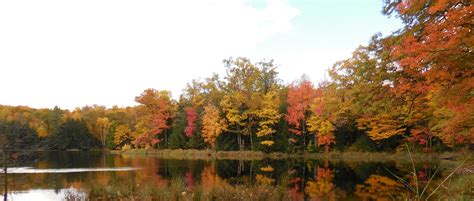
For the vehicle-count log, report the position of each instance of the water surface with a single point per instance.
(59, 175)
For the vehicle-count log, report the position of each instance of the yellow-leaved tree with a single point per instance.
(123, 135)
(319, 123)
(233, 108)
(381, 126)
(104, 125)
(269, 115)
(323, 130)
(212, 125)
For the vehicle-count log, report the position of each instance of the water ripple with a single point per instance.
(30, 170)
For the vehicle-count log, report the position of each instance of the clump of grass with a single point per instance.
(425, 193)
(459, 188)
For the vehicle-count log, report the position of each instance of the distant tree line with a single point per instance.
(414, 86)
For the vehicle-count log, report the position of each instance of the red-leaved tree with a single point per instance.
(300, 97)
(156, 108)
(191, 117)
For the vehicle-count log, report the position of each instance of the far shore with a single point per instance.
(258, 155)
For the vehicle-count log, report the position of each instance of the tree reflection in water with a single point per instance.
(297, 179)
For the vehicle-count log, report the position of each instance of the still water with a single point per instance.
(62, 175)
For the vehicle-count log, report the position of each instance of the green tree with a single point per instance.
(72, 134)
(18, 136)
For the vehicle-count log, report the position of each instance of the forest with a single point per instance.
(414, 86)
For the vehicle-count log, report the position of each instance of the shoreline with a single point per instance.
(258, 155)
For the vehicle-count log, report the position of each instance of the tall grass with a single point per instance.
(419, 193)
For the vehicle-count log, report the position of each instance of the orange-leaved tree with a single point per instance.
(434, 53)
(156, 109)
(300, 97)
(212, 125)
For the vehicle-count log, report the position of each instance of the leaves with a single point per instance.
(434, 54)
(381, 126)
(122, 135)
(191, 118)
(213, 124)
(268, 115)
(300, 96)
(156, 109)
(104, 125)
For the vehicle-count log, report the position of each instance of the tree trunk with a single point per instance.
(250, 134)
(242, 140)
(304, 179)
(251, 142)
(304, 135)
(166, 139)
(315, 141)
(239, 140)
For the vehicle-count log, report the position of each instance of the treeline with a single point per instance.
(413, 86)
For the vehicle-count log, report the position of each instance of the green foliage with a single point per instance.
(227, 142)
(363, 144)
(72, 134)
(109, 138)
(346, 135)
(18, 136)
(196, 141)
(178, 139)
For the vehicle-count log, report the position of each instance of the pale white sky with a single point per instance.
(75, 53)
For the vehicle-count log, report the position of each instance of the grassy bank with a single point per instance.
(257, 155)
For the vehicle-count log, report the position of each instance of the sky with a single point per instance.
(74, 53)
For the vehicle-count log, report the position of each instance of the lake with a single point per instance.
(82, 175)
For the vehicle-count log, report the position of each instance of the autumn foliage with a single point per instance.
(300, 96)
(415, 85)
(213, 125)
(435, 54)
(156, 108)
(191, 118)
